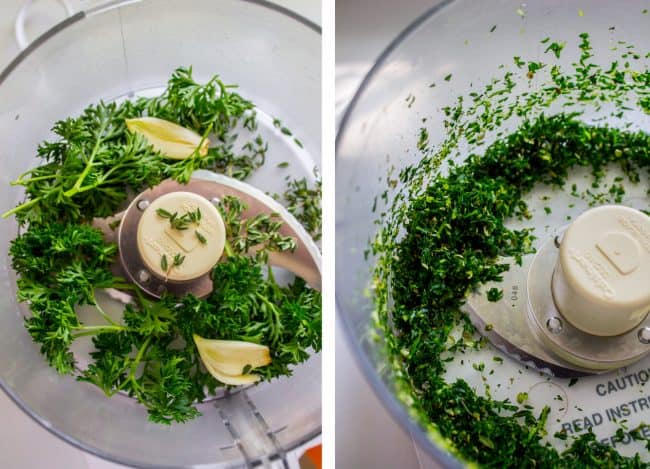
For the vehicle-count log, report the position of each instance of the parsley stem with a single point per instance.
(138, 357)
(21, 207)
(134, 365)
(89, 164)
(275, 322)
(203, 138)
(93, 330)
(108, 173)
(23, 182)
(105, 314)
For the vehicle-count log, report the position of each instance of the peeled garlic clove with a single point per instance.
(232, 380)
(171, 140)
(232, 356)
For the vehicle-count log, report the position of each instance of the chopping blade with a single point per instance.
(303, 262)
(511, 324)
(505, 324)
(535, 333)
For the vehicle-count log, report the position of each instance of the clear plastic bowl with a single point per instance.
(379, 131)
(113, 51)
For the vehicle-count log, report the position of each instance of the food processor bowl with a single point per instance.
(454, 48)
(122, 49)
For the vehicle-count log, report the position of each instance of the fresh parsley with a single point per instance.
(89, 170)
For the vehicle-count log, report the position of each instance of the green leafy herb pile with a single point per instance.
(88, 171)
(303, 203)
(445, 233)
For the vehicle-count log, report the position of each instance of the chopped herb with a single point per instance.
(556, 48)
(179, 223)
(561, 435)
(304, 202)
(410, 99)
(200, 237)
(161, 212)
(446, 234)
(424, 139)
(494, 294)
(178, 259)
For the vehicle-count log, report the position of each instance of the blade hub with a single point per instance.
(568, 342)
(580, 304)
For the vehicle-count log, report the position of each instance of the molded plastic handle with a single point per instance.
(23, 13)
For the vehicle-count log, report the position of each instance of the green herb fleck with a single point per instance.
(556, 48)
(161, 212)
(494, 294)
(178, 259)
(200, 237)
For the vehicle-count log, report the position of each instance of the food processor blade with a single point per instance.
(303, 261)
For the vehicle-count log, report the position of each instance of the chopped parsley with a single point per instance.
(445, 234)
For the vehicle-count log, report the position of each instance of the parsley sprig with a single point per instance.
(61, 266)
(94, 162)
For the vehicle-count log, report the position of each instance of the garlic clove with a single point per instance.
(226, 359)
(170, 139)
(232, 380)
